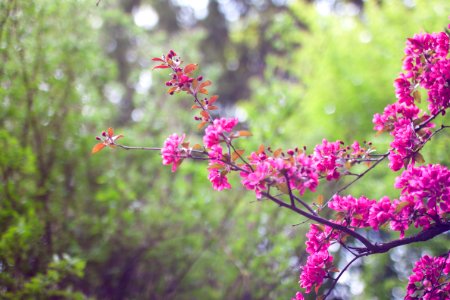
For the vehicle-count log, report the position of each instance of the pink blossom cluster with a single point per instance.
(320, 262)
(214, 135)
(424, 200)
(218, 169)
(171, 152)
(327, 158)
(430, 278)
(425, 195)
(298, 171)
(295, 171)
(426, 66)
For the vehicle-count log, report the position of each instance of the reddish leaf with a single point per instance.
(319, 200)
(200, 126)
(243, 133)
(190, 68)
(417, 96)
(171, 90)
(97, 148)
(161, 67)
(419, 158)
(401, 206)
(277, 152)
(157, 59)
(282, 187)
(110, 132)
(238, 153)
(185, 145)
(195, 106)
(204, 114)
(216, 166)
(260, 149)
(212, 107)
(203, 91)
(197, 147)
(213, 99)
(205, 84)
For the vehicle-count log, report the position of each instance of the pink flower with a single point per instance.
(356, 211)
(315, 270)
(214, 132)
(298, 296)
(380, 213)
(217, 176)
(426, 280)
(326, 158)
(171, 152)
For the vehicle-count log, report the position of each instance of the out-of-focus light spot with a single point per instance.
(365, 37)
(241, 114)
(200, 7)
(96, 22)
(113, 93)
(409, 3)
(137, 115)
(43, 86)
(330, 109)
(146, 17)
(144, 83)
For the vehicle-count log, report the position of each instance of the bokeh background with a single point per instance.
(119, 225)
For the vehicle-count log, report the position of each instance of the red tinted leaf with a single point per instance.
(213, 99)
(282, 187)
(203, 91)
(110, 132)
(157, 59)
(319, 200)
(195, 106)
(401, 206)
(97, 148)
(277, 152)
(216, 166)
(190, 68)
(212, 107)
(161, 67)
(205, 84)
(238, 153)
(171, 90)
(419, 158)
(260, 149)
(200, 126)
(204, 114)
(417, 96)
(243, 133)
(197, 147)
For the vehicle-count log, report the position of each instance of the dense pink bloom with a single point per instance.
(425, 282)
(218, 177)
(297, 169)
(326, 157)
(427, 189)
(355, 210)
(214, 132)
(380, 212)
(257, 178)
(298, 296)
(315, 270)
(171, 151)
(319, 238)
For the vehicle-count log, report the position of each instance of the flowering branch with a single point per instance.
(424, 198)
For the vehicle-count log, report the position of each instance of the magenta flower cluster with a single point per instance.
(430, 278)
(172, 153)
(424, 197)
(425, 66)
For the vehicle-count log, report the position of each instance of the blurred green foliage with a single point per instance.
(118, 225)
